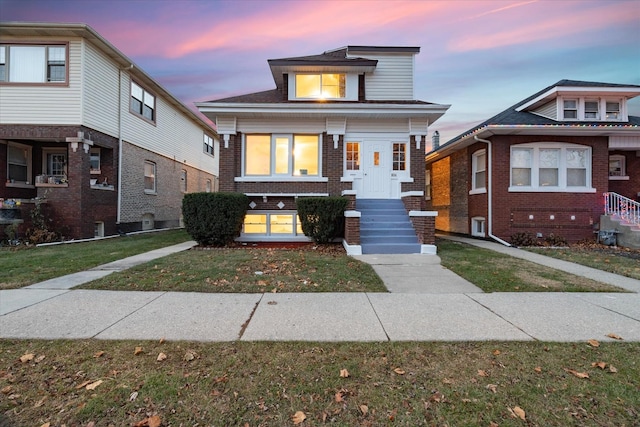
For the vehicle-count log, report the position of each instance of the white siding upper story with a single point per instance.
(549, 110)
(45, 104)
(100, 95)
(392, 78)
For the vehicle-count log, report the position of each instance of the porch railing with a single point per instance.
(622, 207)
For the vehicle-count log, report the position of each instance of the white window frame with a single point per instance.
(297, 234)
(562, 169)
(352, 158)
(207, 186)
(98, 229)
(290, 175)
(48, 151)
(148, 99)
(29, 160)
(153, 190)
(478, 221)
(476, 168)
(321, 94)
(602, 113)
(38, 73)
(402, 161)
(623, 176)
(208, 145)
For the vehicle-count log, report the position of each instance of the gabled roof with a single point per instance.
(518, 120)
(64, 30)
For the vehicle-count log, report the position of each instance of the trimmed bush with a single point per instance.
(214, 219)
(322, 218)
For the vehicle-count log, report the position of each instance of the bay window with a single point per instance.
(281, 155)
(550, 167)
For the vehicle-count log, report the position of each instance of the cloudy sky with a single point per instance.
(479, 56)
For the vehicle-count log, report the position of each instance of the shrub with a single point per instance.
(214, 219)
(322, 218)
(524, 239)
(553, 240)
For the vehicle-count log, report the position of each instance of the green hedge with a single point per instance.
(214, 219)
(322, 218)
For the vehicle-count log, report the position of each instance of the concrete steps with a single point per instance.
(628, 235)
(385, 227)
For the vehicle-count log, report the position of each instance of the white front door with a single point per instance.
(376, 168)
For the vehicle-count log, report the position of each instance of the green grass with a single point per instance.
(495, 272)
(625, 262)
(25, 266)
(266, 383)
(250, 270)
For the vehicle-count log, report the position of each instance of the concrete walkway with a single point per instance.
(426, 302)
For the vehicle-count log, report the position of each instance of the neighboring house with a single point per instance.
(541, 166)
(344, 122)
(85, 129)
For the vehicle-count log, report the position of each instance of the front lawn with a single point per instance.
(144, 383)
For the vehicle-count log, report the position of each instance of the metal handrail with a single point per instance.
(622, 207)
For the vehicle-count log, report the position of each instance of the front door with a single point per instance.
(376, 168)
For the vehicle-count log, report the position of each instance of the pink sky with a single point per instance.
(479, 56)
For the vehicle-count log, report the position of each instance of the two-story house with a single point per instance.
(88, 132)
(559, 162)
(344, 122)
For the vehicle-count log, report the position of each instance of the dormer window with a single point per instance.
(570, 109)
(591, 110)
(613, 111)
(320, 86)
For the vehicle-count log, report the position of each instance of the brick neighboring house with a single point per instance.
(107, 147)
(344, 122)
(540, 166)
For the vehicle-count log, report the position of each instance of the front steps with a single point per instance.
(628, 234)
(385, 227)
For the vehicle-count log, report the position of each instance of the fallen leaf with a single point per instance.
(492, 424)
(492, 387)
(189, 356)
(298, 417)
(40, 358)
(46, 425)
(344, 373)
(600, 365)
(447, 381)
(614, 336)
(81, 385)
(133, 396)
(154, 421)
(437, 397)
(399, 371)
(6, 390)
(496, 352)
(594, 343)
(482, 373)
(538, 369)
(520, 413)
(613, 369)
(98, 354)
(364, 409)
(161, 340)
(93, 385)
(577, 374)
(26, 357)
(338, 397)
(161, 357)
(137, 351)
(40, 402)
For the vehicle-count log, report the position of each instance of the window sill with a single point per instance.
(151, 192)
(281, 179)
(551, 190)
(619, 178)
(103, 187)
(95, 172)
(47, 185)
(478, 191)
(19, 185)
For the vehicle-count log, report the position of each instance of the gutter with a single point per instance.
(489, 188)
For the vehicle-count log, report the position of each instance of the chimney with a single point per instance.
(435, 141)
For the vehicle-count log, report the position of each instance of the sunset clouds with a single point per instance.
(480, 56)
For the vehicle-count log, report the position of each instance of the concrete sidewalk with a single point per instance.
(426, 303)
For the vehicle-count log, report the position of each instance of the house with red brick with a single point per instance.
(344, 122)
(92, 136)
(564, 162)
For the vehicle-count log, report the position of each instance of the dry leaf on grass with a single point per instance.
(98, 354)
(26, 357)
(46, 425)
(364, 409)
(93, 385)
(399, 371)
(153, 421)
(6, 390)
(600, 365)
(83, 384)
(482, 373)
(496, 352)
(612, 369)
(538, 369)
(344, 373)
(615, 336)
(594, 343)
(137, 351)
(161, 357)
(492, 387)
(298, 417)
(519, 412)
(577, 374)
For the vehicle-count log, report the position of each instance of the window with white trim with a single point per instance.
(591, 109)
(275, 224)
(281, 155)
(612, 111)
(399, 156)
(478, 226)
(208, 145)
(570, 109)
(352, 156)
(478, 171)
(33, 63)
(94, 160)
(18, 163)
(149, 177)
(320, 86)
(143, 103)
(550, 167)
(207, 187)
(427, 184)
(617, 166)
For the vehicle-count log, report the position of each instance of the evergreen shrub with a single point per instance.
(322, 218)
(214, 219)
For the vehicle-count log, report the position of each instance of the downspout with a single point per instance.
(489, 189)
(118, 213)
